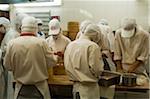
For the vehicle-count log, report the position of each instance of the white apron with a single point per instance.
(41, 86)
(87, 91)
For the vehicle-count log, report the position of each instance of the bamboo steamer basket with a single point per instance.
(72, 35)
(73, 23)
(73, 29)
(50, 73)
(73, 26)
(59, 69)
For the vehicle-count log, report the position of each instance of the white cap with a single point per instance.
(128, 27)
(5, 22)
(54, 27)
(103, 22)
(93, 31)
(29, 24)
(84, 24)
(39, 21)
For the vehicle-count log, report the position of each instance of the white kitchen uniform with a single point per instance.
(129, 50)
(59, 44)
(107, 32)
(8, 76)
(83, 63)
(11, 34)
(82, 28)
(108, 92)
(28, 57)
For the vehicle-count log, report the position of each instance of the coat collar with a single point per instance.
(27, 34)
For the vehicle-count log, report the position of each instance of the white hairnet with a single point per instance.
(103, 22)
(19, 18)
(93, 31)
(5, 22)
(84, 24)
(29, 24)
(18, 21)
(128, 23)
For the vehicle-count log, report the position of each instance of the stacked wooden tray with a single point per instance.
(73, 29)
(108, 78)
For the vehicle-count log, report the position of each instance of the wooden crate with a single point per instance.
(59, 69)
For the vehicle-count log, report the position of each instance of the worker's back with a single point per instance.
(28, 59)
(77, 60)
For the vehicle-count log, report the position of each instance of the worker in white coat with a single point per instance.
(4, 28)
(108, 92)
(40, 33)
(28, 57)
(131, 49)
(107, 32)
(82, 28)
(103, 42)
(56, 40)
(83, 64)
(58, 43)
(12, 33)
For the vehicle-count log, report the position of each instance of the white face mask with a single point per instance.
(127, 34)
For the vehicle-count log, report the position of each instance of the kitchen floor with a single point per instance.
(132, 95)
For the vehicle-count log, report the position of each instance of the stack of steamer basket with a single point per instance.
(73, 29)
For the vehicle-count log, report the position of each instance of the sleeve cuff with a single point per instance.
(143, 59)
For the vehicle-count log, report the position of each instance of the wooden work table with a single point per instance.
(64, 80)
(60, 80)
(61, 86)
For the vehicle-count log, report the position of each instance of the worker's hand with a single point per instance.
(130, 70)
(134, 66)
(60, 54)
(120, 70)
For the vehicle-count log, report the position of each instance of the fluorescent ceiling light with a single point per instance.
(53, 3)
(4, 7)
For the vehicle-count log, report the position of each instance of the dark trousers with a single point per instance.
(77, 96)
(29, 92)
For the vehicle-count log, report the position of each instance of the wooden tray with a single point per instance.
(108, 78)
